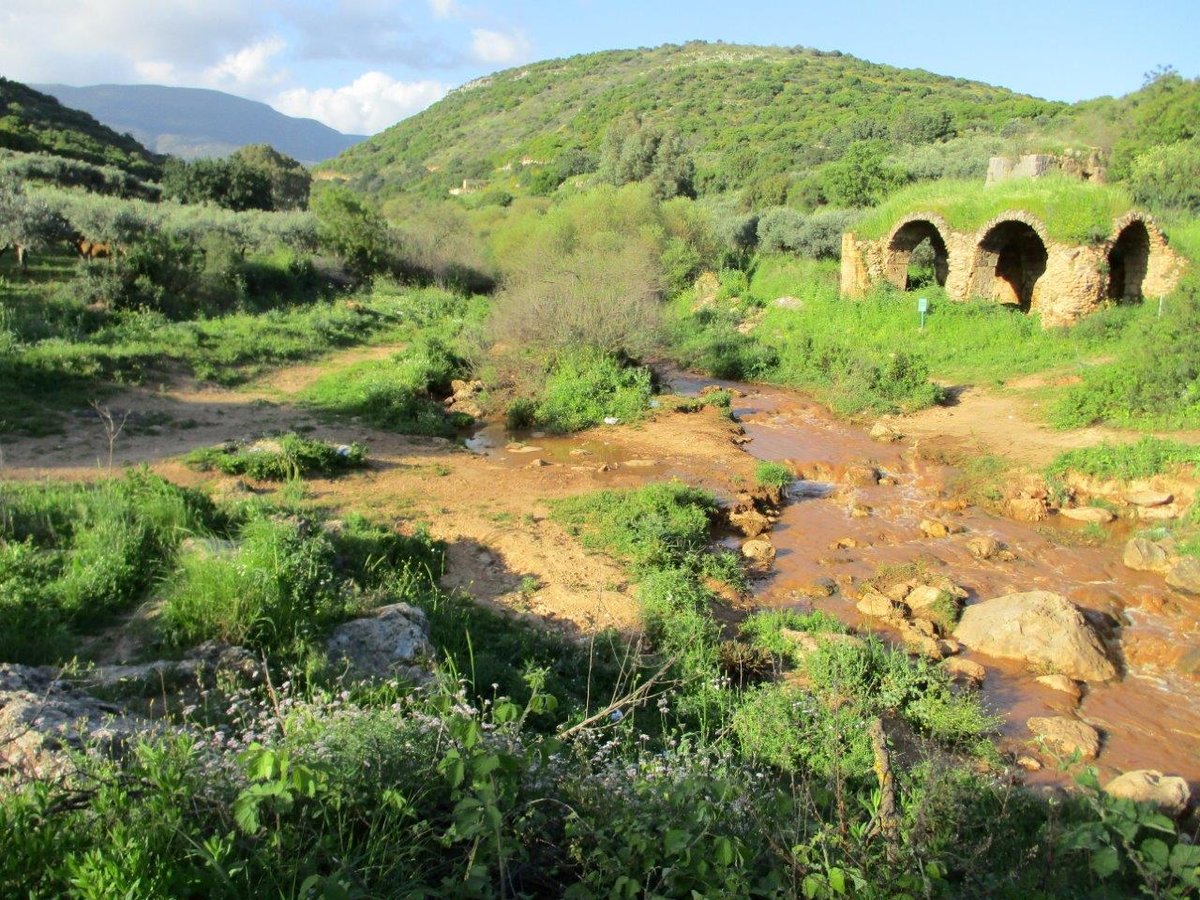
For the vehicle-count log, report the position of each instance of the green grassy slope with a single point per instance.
(33, 122)
(745, 113)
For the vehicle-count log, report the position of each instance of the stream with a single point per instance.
(1150, 718)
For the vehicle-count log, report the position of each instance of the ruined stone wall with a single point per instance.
(1012, 260)
(1086, 165)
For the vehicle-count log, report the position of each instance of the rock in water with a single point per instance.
(1185, 575)
(1094, 514)
(1169, 793)
(1064, 735)
(1142, 555)
(392, 642)
(1039, 628)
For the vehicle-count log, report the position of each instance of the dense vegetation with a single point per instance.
(748, 115)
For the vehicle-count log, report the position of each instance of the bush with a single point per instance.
(280, 459)
(587, 386)
(1168, 177)
(1147, 457)
(773, 475)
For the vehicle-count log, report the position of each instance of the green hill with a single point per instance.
(745, 113)
(33, 122)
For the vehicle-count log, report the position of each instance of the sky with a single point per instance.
(362, 65)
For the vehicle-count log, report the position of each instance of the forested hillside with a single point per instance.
(33, 122)
(745, 113)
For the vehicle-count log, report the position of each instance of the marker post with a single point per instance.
(922, 308)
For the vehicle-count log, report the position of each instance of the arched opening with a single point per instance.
(1010, 261)
(917, 256)
(1128, 261)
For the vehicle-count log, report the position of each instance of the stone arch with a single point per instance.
(1011, 254)
(1133, 240)
(908, 234)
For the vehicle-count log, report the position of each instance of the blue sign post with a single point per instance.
(923, 308)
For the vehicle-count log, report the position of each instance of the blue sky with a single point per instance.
(361, 65)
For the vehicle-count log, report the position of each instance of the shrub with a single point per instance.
(1147, 457)
(586, 386)
(279, 459)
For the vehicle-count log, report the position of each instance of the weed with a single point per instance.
(278, 459)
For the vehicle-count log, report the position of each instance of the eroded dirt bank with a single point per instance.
(489, 503)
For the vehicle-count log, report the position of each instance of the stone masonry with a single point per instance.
(1012, 260)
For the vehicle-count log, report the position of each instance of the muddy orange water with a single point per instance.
(1148, 719)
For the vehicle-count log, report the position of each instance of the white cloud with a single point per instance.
(444, 9)
(369, 104)
(249, 68)
(498, 46)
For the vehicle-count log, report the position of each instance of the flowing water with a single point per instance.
(1150, 718)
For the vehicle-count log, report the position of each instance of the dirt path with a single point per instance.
(1010, 423)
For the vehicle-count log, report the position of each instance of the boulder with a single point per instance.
(42, 717)
(1185, 575)
(1039, 628)
(1144, 555)
(861, 475)
(926, 596)
(392, 642)
(1170, 794)
(934, 528)
(1064, 736)
(1148, 498)
(1093, 514)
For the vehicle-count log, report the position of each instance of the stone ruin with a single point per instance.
(1082, 165)
(1013, 260)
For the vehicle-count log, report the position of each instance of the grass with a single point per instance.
(1145, 458)
(584, 387)
(1073, 211)
(773, 475)
(395, 394)
(290, 456)
(73, 557)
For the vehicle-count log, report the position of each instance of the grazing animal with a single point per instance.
(91, 249)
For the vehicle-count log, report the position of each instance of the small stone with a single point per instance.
(861, 475)
(611, 420)
(1057, 682)
(926, 596)
(965, 670)
(1157, 513)
(758, 550)
(1093, 514)
(983, 546)
(1170, 794)
(538, 463)
(846, 543)
(1029, 763)
(1149, 498)
(877, 606)
(932, 528)
(859, 511)
(949, 646)
(1028, 509)
(1065, 736)
(884, 433)
(641, 463)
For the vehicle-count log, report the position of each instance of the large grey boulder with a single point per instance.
(391, 643)
(1041, 629)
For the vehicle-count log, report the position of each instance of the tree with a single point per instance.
(231, 184)
(27, 223)
(860, 177)
(351, 230)
(633, 152)
(290, 182)
(1168, 176)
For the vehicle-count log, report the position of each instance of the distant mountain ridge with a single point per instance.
(197, 122)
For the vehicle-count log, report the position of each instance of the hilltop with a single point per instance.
(745, 113)
(33, 122)
(192, 122)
